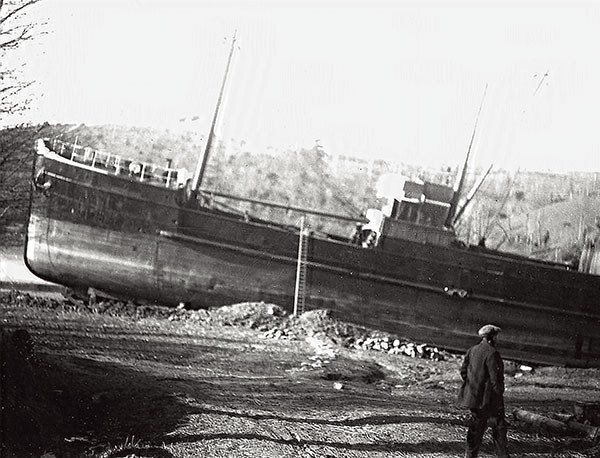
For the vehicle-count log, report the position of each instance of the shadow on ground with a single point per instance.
(83, 386)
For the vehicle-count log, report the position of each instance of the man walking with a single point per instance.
(482, 392)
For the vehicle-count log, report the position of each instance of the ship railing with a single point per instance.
(117, 165)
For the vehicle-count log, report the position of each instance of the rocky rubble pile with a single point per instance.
(321, 323)
(271, 319)
(399, 347)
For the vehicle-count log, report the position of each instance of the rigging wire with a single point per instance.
(347, 205)
(541, 81)
(494, 221)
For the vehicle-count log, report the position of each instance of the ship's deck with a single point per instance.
(115, 164)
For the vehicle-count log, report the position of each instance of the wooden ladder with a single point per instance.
(300, 289)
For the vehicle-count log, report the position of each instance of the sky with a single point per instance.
(399, 81)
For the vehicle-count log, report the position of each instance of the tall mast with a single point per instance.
(472, 193)
(201, 165)
(463, 175)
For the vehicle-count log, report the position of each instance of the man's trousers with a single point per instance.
(477, 426)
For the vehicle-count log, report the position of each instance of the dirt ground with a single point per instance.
(107, 380)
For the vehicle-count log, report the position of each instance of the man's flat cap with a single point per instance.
(488, 329)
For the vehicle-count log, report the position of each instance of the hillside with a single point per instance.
(555, 231)
(302, 177)
(503, 211)
(533, 213)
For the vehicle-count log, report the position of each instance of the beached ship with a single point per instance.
(133, 229)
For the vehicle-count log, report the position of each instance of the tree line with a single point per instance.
(305, 177)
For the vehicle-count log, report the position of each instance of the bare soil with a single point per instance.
(108, 380)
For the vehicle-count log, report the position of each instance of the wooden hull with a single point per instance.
(132, 239)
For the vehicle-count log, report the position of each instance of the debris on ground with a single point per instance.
(587, 413)
(320, 323)
(561, 425)
(271, 319)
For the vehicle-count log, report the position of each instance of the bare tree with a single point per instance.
(15, 29)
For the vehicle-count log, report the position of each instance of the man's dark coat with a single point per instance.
(482, 372)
